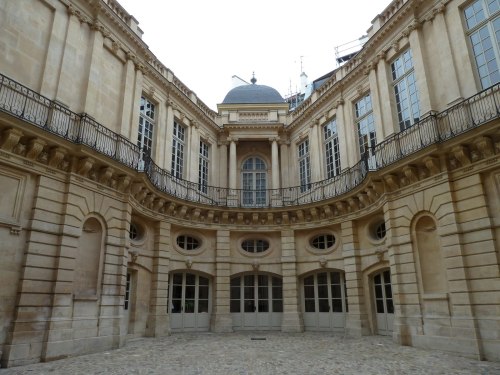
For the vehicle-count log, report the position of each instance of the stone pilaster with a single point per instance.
(158, 319)
(43, 288)
(419, 54)
(292, 316)
(93, 80)
(128, 100)
(357, 317)
(376, 103)
(221, 317)
(405, 289)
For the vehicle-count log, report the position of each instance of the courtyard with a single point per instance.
(262, 353)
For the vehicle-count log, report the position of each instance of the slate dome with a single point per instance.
(253, 94)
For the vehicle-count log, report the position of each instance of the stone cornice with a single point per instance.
(33, 150)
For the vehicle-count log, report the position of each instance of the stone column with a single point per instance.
(357, 317)
(158, 319)
(292, 315)
(232, 163)
(275, 163)
(223, 164)
(221, 317)
(284, 153)
(421, 74)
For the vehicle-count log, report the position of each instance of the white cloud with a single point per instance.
(206, 42)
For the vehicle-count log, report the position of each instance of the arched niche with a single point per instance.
(429, 255)
(88, 259)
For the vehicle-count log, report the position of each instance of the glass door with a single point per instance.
(384, 307)
(189, 302)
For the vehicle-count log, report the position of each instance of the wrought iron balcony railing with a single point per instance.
(24, 103)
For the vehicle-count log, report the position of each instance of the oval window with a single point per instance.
(188, 242)
(323, 241)
(255, 246)
(135, 232)
(380, 231)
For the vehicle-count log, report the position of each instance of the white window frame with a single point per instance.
(405, 90)
(363, 115)
(479, 24)
(203, 165)
(254, 181)
(145, 132)
(332, 148)
(304, 165)
(178, 146)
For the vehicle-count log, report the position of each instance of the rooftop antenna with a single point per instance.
(301, 67)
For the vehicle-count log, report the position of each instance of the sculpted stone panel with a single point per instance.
(12, 187)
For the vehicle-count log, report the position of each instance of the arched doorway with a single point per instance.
(384, 307)
(189, 302)
(256, 302)
(254, 182)
(324, 301)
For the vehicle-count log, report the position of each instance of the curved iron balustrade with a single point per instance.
(24, 103)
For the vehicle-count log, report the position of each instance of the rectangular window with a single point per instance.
(405, 89)
(304, 166)
(126, 302)
(366, 125)
(178, 142)
(332, 150)
(146, 126)
(482, 18)
(203, 167)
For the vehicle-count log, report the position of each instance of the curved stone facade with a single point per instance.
(129, 208)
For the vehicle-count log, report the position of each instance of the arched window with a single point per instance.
(254, 182)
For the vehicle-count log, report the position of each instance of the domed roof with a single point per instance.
(253, 94)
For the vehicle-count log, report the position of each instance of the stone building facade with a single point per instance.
(129, 208)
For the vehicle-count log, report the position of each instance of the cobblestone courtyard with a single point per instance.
(262, 353)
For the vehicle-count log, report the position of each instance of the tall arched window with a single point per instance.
(254, 182)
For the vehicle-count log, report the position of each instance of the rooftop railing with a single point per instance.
(24, 103)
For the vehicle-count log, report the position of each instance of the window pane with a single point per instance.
(309, 305)
(323, 305)
(234, 306)
(202, 306)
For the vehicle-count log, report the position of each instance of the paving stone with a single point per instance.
(261, 354)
